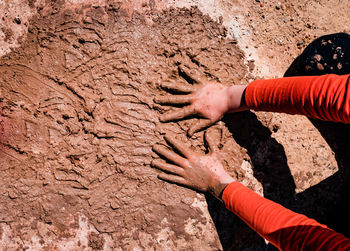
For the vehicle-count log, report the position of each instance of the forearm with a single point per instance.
(282, 227)
(324, 97)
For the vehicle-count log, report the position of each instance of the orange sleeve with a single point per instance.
(282, 227)
(325, 97)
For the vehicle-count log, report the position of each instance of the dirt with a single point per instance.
(78, 121)
(95, 241)
(80, 118)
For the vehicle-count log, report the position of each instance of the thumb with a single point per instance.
(210, 142)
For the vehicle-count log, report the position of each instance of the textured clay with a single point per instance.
(78, 123)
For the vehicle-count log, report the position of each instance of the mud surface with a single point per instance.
(78, 123)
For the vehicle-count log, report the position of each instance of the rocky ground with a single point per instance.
(77, 121)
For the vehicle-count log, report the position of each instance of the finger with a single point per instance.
(198, 126)
(167, 167)
(178, 114)
(179, 87)
(169, 155)
(173, 179)
(174, 99)
(209, 140)
(193, 77)
(185, 151)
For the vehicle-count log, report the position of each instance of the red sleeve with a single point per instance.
(282, 227)
(325, 97)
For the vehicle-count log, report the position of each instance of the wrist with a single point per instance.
(235, 98)
(219, 185)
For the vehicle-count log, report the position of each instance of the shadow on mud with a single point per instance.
(327, 201)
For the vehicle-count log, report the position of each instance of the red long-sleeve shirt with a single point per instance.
(324, 97)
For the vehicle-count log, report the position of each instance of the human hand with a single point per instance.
(208, 99)
(203, 173)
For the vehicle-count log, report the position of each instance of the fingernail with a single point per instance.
(153, 162)
(155, 148)
(162, 118)
(169, 136)
(165, 85)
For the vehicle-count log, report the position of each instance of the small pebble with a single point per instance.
(278, 6)
(17, 20)
(320, 67)
(308, 68)
(318, 57)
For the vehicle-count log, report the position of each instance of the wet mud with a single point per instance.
(78, 123)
